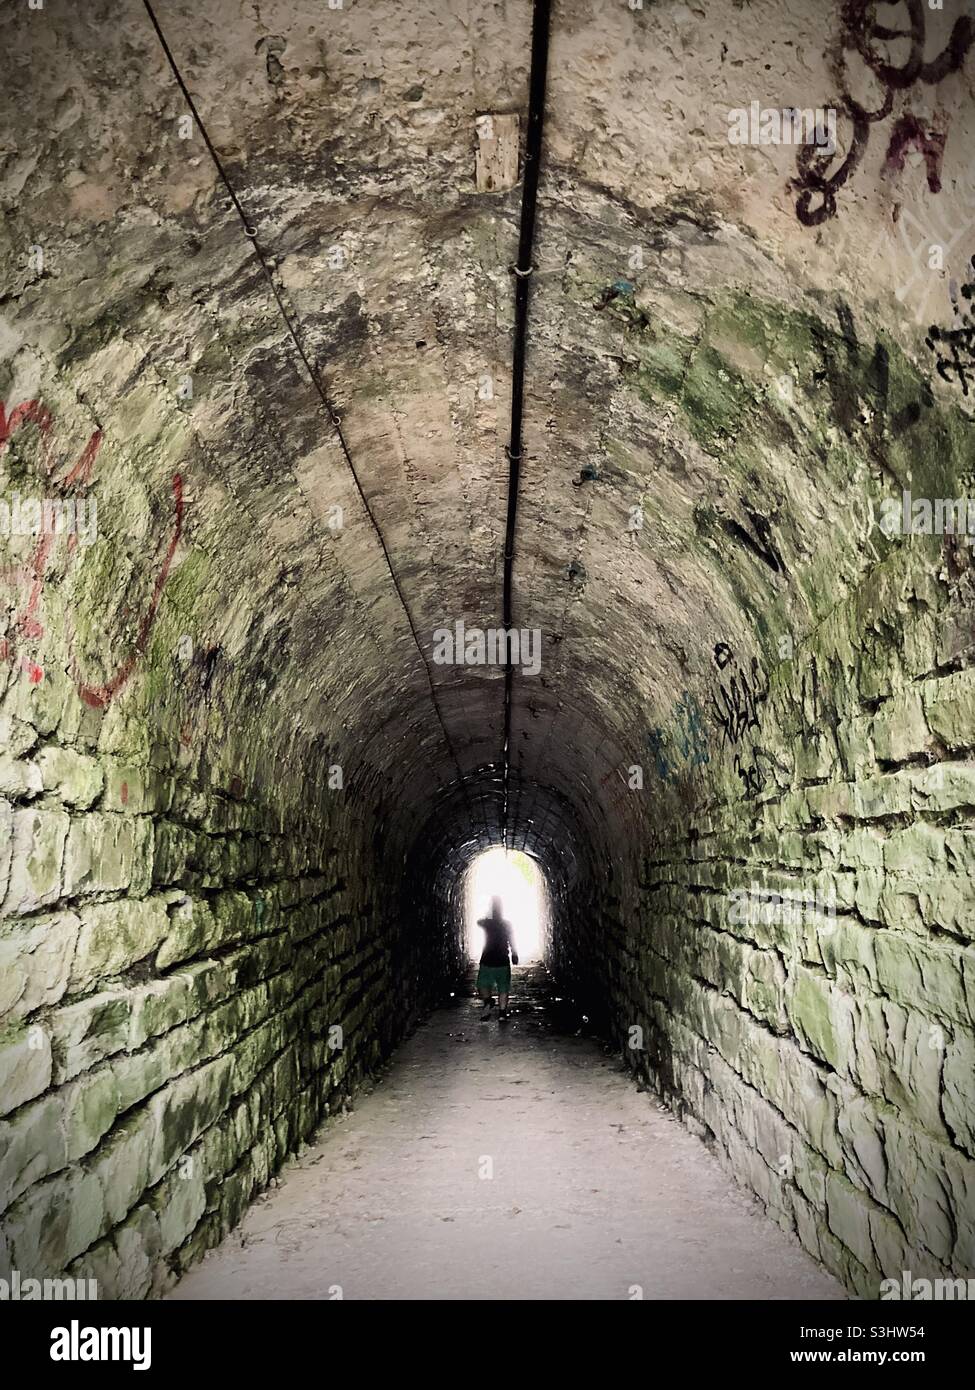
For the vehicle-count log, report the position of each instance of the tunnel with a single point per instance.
(435, 429)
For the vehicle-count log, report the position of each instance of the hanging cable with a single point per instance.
(251, 232)
(522, 272)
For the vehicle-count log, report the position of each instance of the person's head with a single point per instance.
(496, 912)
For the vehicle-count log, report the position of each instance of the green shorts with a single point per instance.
(494, 977)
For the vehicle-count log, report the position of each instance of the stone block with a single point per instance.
(848, 1217)
(108, 853)
(90, 1106)
(87, 1032)
(179, 1202)
(35, 962)
(949, 706)
(116, 935)
(31, 1147)
(74, 778)
(185, 1109)
(910, 970)
(958, 1099)
(192, 930)
(25, 1065)
(121, 1163)
(899, 730)
(822, 1017)
(34, 879)
(54, 1222)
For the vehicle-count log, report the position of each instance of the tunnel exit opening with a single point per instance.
(517, 879)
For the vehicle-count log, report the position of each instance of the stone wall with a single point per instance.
(190, 983)
(174, 695)
(795, 973)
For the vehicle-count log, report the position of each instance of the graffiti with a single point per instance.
(954, 347)
(750, 775)
(741, 698)
(26, 628)
(910, 134)
(816, 180)
(97, 696)
(687, 743)
(852, 373)
(656, 740)
(741, 694)
(759, 541)
(689, 735)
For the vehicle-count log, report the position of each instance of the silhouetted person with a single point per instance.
(497, 958)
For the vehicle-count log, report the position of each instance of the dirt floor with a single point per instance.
(511, 1160)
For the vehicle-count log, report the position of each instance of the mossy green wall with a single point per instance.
(827, 1052)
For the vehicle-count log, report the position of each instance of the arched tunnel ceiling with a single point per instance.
(725, 368)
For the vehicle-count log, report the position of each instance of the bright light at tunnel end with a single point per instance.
(515, 878)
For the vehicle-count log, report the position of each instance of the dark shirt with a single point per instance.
(497, 940)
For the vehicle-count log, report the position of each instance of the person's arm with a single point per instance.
(511, 947)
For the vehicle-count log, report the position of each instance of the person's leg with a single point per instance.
(487, 1001)
(503, 1002)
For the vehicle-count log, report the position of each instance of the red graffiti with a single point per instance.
(26, 624)
(83, 469)
(816, 180)
(908, 134)
(99, 695)
(27, 413)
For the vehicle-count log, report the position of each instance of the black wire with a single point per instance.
(522, 271)
(251, 232)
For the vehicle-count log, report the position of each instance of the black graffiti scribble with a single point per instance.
(816, 184)
(736, 709)
(741, 695)
(761, 544)
(764, 765)
(751, 776)
(954, 348)
(852, 371)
